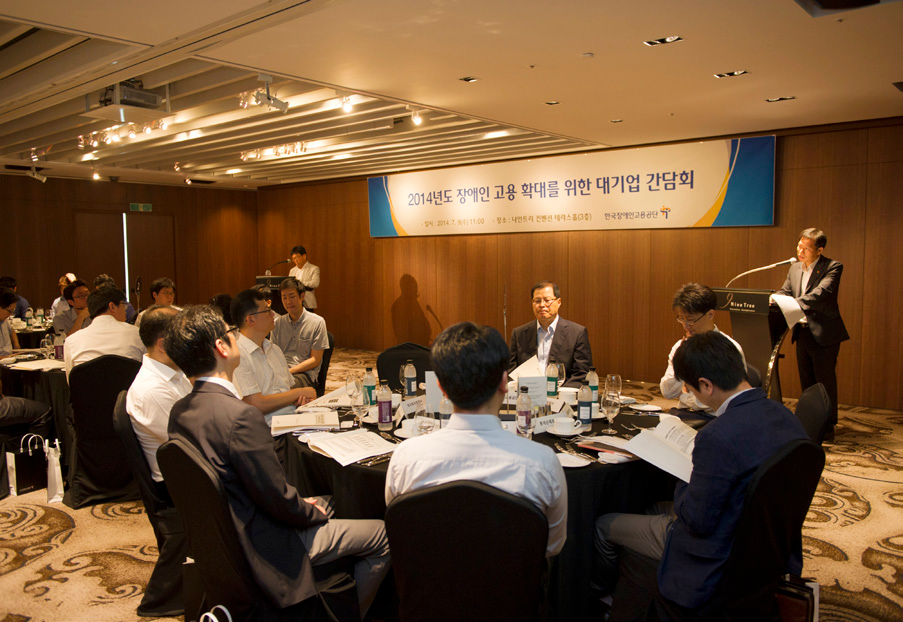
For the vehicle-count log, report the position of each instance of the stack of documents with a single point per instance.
(306, 420)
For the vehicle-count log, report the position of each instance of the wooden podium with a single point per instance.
(759, 328)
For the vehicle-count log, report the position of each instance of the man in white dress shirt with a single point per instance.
(471, 362)
(308, 274)
(108, 332)
(694, 304)
(158, 385)
(300, 334)
(262, 377)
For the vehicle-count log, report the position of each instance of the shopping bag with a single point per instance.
(26, 467)
(54, 472)
(210, 616)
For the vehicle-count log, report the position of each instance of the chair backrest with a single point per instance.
(134, 455)
(390, 359)
(753, 376)
(324, 365)
(813, 410)
(100, 471)
(467, 551)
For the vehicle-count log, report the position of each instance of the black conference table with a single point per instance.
(359, 492)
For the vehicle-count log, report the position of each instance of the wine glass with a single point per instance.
(354, 388)
(401, 380)
(47, 346)
(424, 422)
(613, 384)
(611, 405)
(561, 374)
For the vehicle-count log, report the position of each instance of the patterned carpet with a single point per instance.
(93, 564)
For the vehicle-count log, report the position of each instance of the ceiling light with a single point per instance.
(552, 102)
(163, 125)
(176, 167)
(131, 130)
(233, 171)
(772, 100)
(617, 120)
(107, 139)
(244, 156)
(341, 156)
(34, 156)
(94, 142)
(116, 137)
(187, 181)
(243, 100)
(496, 134)
(346, 104)
(95, 175)
(81, 142)
(415, 117)
(36, 175)
(468, 79)
(731, 74)
(663, 40)
(147, 129)
(588, 55)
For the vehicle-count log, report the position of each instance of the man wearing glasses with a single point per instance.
(694, 306)
(552, 336)
(262, 376)
(76, 316)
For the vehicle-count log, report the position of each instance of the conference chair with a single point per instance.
(98, 469)
(753, 376)
(391, 359)
(225, 575)
(163, 595)
(813, 410)
(768, 536)
(324, 365)
(467, 551)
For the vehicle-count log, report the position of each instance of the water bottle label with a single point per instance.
(552, 387)
(410, 386)
(595, 390)
(385, 412)
(585, 410)
(371, 393)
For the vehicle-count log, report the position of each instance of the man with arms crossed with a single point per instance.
(814, 283)
(300, 334)
(262, 377)
(694, 539)
(694, 305)
(552, 336)
(282, 534)
(470, 363)
(308, 275)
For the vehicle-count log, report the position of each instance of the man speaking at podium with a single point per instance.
(814, 283)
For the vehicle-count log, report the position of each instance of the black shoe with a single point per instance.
(829, 435)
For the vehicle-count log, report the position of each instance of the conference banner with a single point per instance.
(716, 183)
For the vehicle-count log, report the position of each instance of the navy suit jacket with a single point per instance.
(570, 345)
(727, 453)
(267, 511)
(819, 301)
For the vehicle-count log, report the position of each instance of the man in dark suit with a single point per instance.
(282, 534)
(814, 282)
(552, 337)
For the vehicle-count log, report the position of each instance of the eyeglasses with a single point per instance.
(81, 296)
(264, 311)
(233, 330)
(684, 322)
(539, 302)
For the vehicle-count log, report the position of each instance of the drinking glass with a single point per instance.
(401, 380)
(613, 384)
(611, 404)
(424, 422)
(560, 374)
(47, 346)
(354, 388)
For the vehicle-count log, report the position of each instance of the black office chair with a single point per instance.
(163, 595)
(324, 366)
(813, 410)
(768, 536)
(225, 574)
(389, 360)
(753, 376)
(98, 469)
(467, 551)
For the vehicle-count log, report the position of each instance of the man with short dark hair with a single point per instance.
(695, 538)
(470, 363)
(281, 533)
(308, 275)
(163, 292)
(694, 305)
(262, 376)
(300, 334)
(8, 339)
(21, 304)
(105, 280)
(814, 282)
(76, 316)
(108, 333)
(552, 337)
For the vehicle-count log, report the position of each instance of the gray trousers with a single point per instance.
(343, 537)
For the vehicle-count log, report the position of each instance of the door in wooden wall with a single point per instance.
(152, 253)
(98, 246)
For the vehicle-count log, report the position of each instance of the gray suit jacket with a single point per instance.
(570, 345)
(819, 301)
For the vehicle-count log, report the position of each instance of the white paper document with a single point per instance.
(530, 367)
(305, 419)
(789, 307)
(40, 365)
(333, 399)
(669, 446)
(349, 447)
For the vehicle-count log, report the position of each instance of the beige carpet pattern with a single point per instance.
(58, 564)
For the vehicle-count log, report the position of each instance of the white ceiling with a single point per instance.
(393, 57)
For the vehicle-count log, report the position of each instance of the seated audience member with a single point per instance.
(282, 534)
(8, 339)
(21, 304)
(262, 376)
(694, 539)
(108, 333)
(105, 280)
(470, 363)
(223, 303)
(300, 334)
(60, 305)
(307, 274)
(552, 336)
(20, 416)
(158, 385)
(76, 316)
(694, 305)
(268, 296)
(163, 292)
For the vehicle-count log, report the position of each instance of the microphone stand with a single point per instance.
(769, 267)
(269, 270)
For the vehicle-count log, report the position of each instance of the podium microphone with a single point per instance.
(269, 273)
(768, 267)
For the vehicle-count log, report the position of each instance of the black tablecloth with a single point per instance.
(49, 387)
(30, 339)
(593, 490)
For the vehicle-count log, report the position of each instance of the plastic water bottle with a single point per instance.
(369, 383)
(384, 401)
(58, 344)
(29, 317)
(593, 379)
(524, 414)
(552, 378)
(585, 406)
(445, 411)
(410, 379)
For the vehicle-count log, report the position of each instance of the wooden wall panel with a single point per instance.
(152, 252)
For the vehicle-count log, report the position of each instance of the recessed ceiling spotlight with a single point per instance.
(233, 171)
(346, 104)
(663, 40)
(588, 55)
(187, 181)
(731, 74)
(177, 167)
(95, 175)
(617, 120)
(468, 79)
(771, 100)
(552, 102)
(496, 134)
